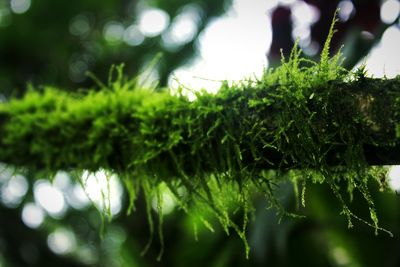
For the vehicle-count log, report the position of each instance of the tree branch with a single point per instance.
(249, 125)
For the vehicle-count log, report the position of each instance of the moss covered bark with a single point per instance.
(252, 124)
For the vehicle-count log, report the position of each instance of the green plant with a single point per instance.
(304, 122)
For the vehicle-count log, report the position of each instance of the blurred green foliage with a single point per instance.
(56, 42)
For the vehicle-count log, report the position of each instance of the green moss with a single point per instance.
(308, 122)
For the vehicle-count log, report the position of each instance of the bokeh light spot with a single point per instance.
(183, 28)
(104, 190)
(394, 177)
(311, 49)
(181, 32)
(13, 191)
(77, 69)
(153, 21)
(390, 10)
(304, 14)
(79, 25)
(20, 6)
(341, 256)
(18, 185)
(61, 241)
(87, 254)
(49, 198)
(132, 36)
(167, 202)
(76, 197)
(346, 10)
(62, 180)
(32, 215)
(303, 34)
(113, 32)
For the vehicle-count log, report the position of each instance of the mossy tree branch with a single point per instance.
(303, 122)
(118, 129)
